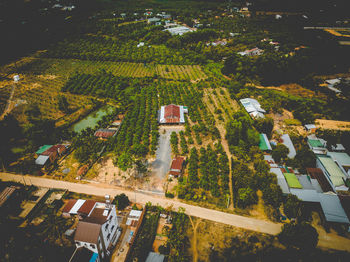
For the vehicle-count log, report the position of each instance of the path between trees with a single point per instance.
(262, 226)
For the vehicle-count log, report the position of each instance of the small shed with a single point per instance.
(177, 166)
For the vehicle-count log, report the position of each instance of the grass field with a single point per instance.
(66, 67)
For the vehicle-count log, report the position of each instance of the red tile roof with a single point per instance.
(86, 207)
(56, 148)
(172, 113)
(69, 205)
(105, 133)
(177, 163)
(317, 173)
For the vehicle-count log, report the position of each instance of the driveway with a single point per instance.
(161, 165)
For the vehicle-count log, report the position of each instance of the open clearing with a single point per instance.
(332, 124)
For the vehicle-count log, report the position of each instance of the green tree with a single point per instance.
(63, 104)
(280, 152)
(292, 206)
(125, 161)
(121, 201)
(264, 125)
(246, 197)
(299, 235)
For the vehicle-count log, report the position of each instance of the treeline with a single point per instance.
(103, 49)
(105, 85)
(273, 68)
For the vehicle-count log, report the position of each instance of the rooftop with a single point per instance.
(343, 159)
(264, 143)
(316, 173)
(315, 143)
(292, 180)
(87, 232)
(336, 175)
(288, 143)
(98, 215)
(333, 209)
(43, 148)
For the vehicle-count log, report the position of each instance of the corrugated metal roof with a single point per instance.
(336, 175)
(343, 159)
(317, 173)
(76, 206)
(315, 143)
(43, 149)
(177, 163)
(305, 182)
(307, 195)
(69, 205)
(87, 207)
(264, 143)
(87, 232)
(288, 143)
(41, 160)
(333, 209)
(155, 257)
(281, 181)
(292, 180)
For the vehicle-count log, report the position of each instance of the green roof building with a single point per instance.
(264, 143)
(42, 149)
(292, 180)
(331, 169)
(315, 143)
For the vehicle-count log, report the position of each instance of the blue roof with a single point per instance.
(93, 257)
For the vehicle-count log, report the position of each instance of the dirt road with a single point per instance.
(263, 226)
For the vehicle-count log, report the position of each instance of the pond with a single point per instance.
(92, 119)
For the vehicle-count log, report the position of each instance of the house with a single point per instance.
(171, 114)
(42, 149)
(153, 20)
(252, 106)
(177, 166)
(332, 171)
(310, 128)
(98, 231)
(317, 146)
(264, 143)
(288, 143)
(331, 84)
(342, 160)
(178, 30)
(332, 209)
(252, 52)
(281, 180)
(140, 44)
(105, 133)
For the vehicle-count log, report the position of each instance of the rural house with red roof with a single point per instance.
(177, 166)
(172, 114)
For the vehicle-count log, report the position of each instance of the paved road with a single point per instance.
(268, 227)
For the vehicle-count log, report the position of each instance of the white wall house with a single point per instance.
(98, 231)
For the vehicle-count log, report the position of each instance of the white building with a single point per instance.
(179, 30)
(288, 143)
(252, 52)
(98, 231)
(252, 106)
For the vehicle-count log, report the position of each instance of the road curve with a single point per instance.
(326, 240)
